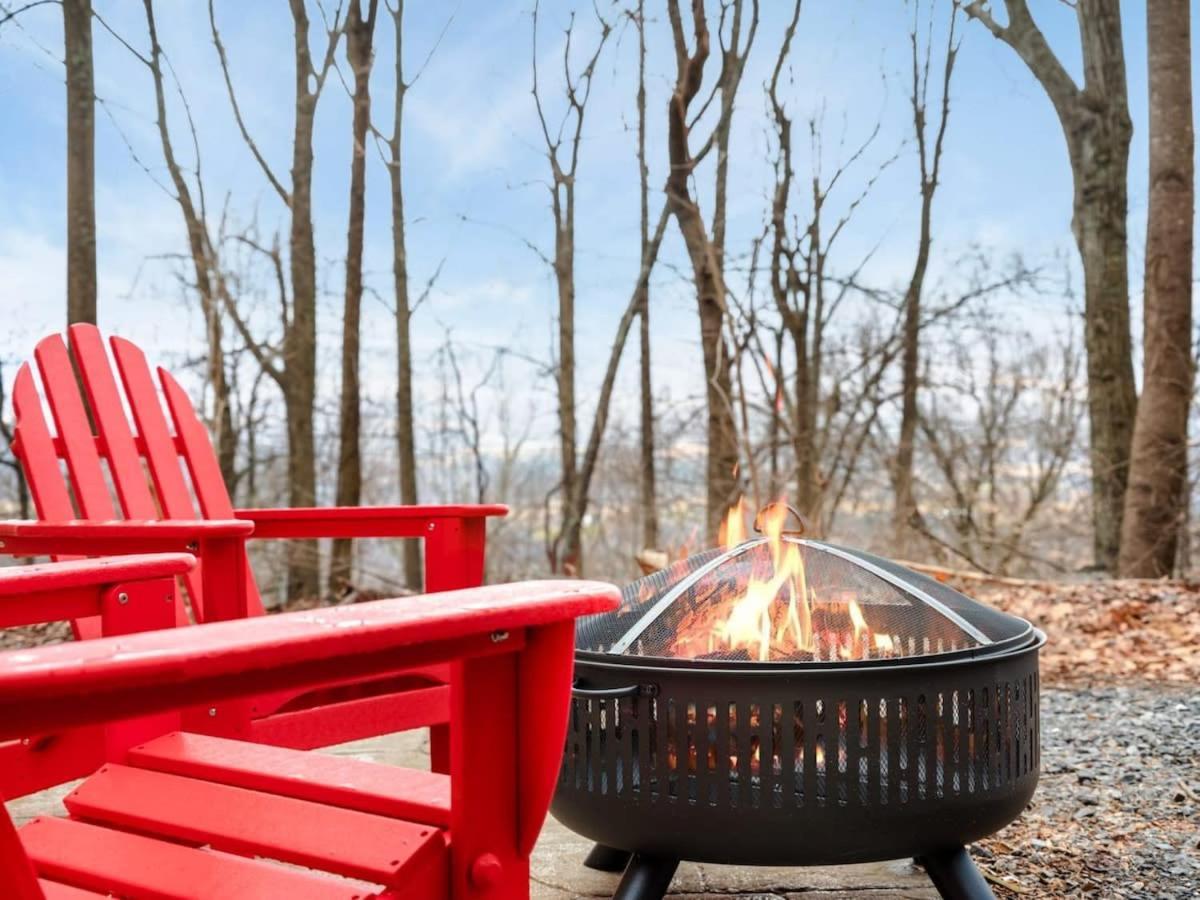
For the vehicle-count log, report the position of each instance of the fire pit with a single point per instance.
(784, 701)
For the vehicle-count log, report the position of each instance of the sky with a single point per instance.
(475, 173)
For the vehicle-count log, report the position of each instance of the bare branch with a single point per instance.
(1023, 35)
(13, 13)
(283, 193)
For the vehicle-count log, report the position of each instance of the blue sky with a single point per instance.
(475, 170)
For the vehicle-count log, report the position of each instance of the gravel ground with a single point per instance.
(1117, 811)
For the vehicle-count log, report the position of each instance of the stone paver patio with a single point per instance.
(559, 873)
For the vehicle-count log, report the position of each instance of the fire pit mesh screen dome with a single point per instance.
(797, 601)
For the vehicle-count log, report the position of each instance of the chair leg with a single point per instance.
(955, 876)
(607, 859)
(21, 879)
(439, 748)
(485, 863)
(646, 878)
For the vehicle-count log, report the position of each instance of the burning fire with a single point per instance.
(757, 620)
(771, 617)
(733, 530)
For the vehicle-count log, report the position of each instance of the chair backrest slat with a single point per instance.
(157, 441)
(124, 462)
(36, 449)
(197, 451)
(71, 422)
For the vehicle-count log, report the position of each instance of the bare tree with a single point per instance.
(830, 403)
(562, 143)
(405, 305)
(648, 492)
(558, 549)
(360, 54)
(81, 161)
(1156, 495)
(1095, 121)
(930, 137)
(786, 285)
(591, 453)
(209, 279)
(461, 415)
(706, 252)
(1000, 430)
(294, 371)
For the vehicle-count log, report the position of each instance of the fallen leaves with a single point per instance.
(1103, 630)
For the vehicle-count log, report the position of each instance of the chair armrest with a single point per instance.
(87, 538)
(47, 688)
(24, 581)
(81, 588)
(361, 521)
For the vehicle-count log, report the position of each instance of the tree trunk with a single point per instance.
(405, 428)
(360, 34)
(565, 549)
(300, 339)
(1101, 149)
(81, 162)
(722, 441)
(1095, 121)
(570, 558)
(721, 468)
(591, 453)
(1156, 492)
(905, 513)
(649, 487)
(905, 509)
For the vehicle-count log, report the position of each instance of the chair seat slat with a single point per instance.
(412, 794)
(101, 859)
(378, 849)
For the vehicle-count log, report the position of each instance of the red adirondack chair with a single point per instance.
(174, 815)
(153, 485)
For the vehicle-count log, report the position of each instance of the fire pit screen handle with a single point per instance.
(800, 528)
(633, 690)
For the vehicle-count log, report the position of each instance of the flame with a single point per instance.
(857, 620)
(733, 530)
(751, 622)
(859, 624)
(771, 614)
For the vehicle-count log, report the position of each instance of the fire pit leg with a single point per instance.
(607, 859)
(646, 877)
(955, 876)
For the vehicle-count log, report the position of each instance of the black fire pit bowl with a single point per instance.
(815, 759)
